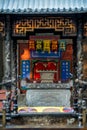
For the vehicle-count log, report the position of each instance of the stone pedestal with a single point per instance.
(48, 97)
(47, 76)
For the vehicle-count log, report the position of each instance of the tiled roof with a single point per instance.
(43, 6)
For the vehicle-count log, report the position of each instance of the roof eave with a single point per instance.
(43, 11)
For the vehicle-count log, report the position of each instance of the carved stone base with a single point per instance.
(48, 97)
(47, 85)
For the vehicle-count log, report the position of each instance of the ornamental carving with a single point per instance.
(85, 29)
(2, 28)
(66, 25)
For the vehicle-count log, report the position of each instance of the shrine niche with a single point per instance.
(66, 25)
(45, 59)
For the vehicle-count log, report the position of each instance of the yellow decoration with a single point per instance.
(43, 109)
(46, 46)
(38, 45)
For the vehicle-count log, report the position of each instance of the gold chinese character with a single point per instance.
(31, 45)
(62, 46)
(38, 45)
(46, 46)
(54, 46)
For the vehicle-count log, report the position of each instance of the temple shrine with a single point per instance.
(43, 58)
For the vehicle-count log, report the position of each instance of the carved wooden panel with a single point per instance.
(85, 29)
(2, 28)
(66, 25)
(85, 59)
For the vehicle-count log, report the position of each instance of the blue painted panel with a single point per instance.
(25, 69)
(65, 70)
(39, 54)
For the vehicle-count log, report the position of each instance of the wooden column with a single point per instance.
(79, 48)
(7, 51)
(79, 70)
(7, 65)
(3, 118)
(14, 76)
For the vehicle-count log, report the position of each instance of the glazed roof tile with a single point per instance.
(43, 6)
